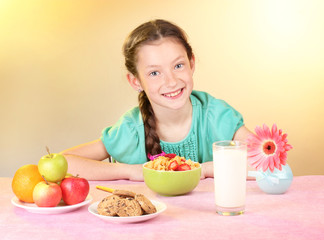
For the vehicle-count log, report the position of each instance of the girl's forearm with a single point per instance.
(101, 170)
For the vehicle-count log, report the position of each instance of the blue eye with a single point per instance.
(153, 74)
(180, 65)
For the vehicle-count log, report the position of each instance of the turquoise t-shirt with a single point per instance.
(212, 120)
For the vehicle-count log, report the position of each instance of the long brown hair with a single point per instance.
(144, 34)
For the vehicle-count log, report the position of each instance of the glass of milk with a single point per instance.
(230, 160)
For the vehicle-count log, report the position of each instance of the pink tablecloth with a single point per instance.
(297, 214)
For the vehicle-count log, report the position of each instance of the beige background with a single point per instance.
(63, 78)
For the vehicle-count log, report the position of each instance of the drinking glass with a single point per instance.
(230, 160)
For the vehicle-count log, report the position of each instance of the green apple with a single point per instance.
(53, 167)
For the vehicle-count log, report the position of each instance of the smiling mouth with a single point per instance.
(173, 94)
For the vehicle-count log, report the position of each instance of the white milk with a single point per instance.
(230, 177)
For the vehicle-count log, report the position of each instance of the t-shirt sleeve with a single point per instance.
(224, 120)
(124, 141)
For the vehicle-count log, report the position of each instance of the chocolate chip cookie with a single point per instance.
(124, 193)
(145, 204)
(128, 207)
(108, 206)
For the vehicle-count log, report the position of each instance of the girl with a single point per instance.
(170, 118)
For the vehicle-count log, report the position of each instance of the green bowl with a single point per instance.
(171, 183)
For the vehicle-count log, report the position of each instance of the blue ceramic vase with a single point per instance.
(276, 182)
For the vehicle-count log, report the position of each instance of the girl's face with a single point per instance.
(165, 73)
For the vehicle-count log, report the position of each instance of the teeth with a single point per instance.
(173, 94)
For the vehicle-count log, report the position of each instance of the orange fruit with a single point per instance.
(24, 181)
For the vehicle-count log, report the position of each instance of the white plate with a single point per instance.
(61, 208)
(160, 207)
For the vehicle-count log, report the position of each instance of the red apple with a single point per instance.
(74, 189)
(47, 194)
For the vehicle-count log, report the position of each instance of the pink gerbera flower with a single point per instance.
(268, 149)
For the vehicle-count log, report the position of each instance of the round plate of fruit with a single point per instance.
(47, 188)
(62, 207)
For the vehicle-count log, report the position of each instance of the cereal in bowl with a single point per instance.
(171, 162)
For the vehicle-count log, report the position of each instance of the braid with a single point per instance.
(152, 140)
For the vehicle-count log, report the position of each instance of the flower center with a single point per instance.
(269, 147)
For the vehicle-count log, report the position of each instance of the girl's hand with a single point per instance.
(135, 172)
(207, 170)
